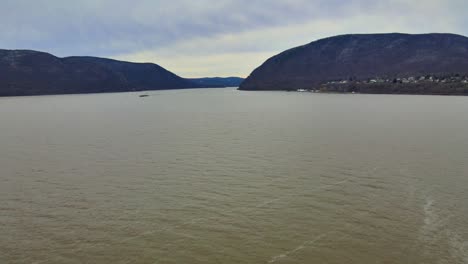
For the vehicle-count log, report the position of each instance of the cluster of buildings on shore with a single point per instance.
(413, 79)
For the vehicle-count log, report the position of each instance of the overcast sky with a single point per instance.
(195, 38)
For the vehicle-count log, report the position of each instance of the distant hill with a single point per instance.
(218, 81)
(362, 57)
(27, 72)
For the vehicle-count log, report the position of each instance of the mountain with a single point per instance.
(27, 72)
(218, 81)
(362, 57)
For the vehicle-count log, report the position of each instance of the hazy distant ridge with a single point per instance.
(218, 81)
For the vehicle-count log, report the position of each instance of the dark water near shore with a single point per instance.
(222, 176)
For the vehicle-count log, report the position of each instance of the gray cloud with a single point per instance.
(192, 38)
(107, 26)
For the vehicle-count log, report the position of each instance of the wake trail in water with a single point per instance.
(245, 209)
(435, 230)
(201, 219)
(311, 243)
(299, 248)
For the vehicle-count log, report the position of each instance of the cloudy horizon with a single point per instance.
(205, 38)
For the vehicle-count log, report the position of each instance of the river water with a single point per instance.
(224, 176)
